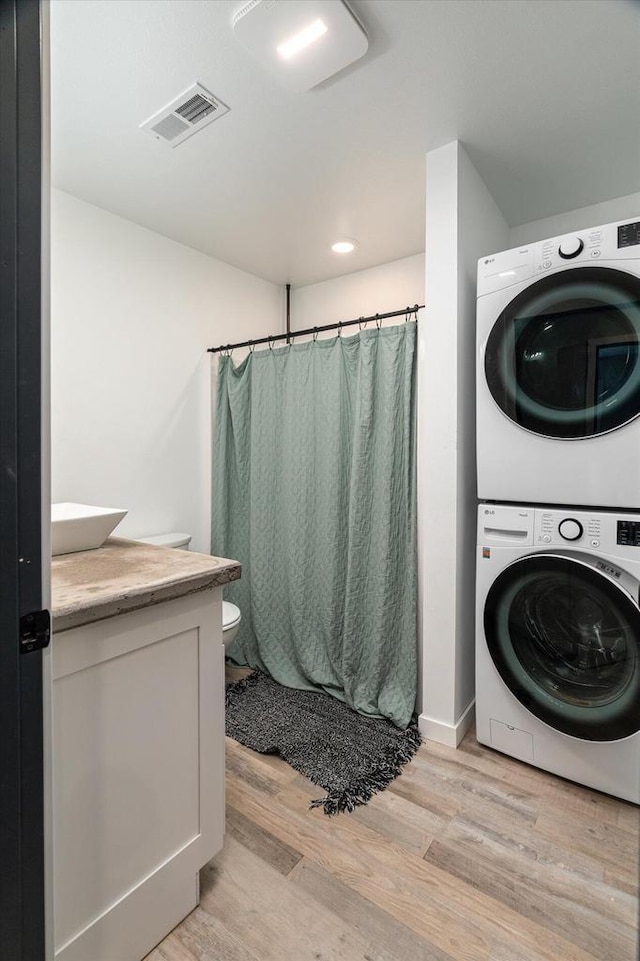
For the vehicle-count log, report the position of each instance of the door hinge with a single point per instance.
(35, 631)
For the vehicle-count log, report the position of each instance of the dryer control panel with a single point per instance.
(608, 242)
(629, 234)
(581, 248)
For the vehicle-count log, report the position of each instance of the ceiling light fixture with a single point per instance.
(289, 48)
(303, 42)
(344, 246)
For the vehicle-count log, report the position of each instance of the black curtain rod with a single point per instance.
(288, 287)
(363, 321)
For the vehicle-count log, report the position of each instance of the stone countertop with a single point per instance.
(124, 575)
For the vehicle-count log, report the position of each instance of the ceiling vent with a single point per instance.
(184, 116)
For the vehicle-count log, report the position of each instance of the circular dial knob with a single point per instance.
(570, 529)
(570, 248)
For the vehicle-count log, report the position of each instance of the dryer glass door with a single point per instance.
(563, 358)
(566, 642)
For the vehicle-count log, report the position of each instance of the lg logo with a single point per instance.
(490, 260)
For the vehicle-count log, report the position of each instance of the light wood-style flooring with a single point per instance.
(467, 856)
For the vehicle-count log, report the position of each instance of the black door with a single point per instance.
(563, 358)
(22, 929)
(566, 642)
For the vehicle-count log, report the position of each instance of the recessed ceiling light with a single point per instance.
(344, 246)
(289, 48)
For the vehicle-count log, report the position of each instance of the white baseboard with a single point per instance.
(449, 734)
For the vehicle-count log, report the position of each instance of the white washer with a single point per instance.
(558, 376)
(558, 642)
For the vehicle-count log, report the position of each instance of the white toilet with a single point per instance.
(231, 618)
(231, 615)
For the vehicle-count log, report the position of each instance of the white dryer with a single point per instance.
(558, 642)
(558, 375)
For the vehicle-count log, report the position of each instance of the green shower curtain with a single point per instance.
(314, 493)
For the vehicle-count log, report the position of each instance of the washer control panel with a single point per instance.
(586, 530)
(628, 533)
(616, 533)
(573, 527)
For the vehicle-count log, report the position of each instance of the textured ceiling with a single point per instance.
(543, 94)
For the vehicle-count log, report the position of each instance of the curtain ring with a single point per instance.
(315, 334)
(252, 348)
(378, 321)
(270, 343)
(340, 330)
(362, 323)
(416, 308)
(407, 315)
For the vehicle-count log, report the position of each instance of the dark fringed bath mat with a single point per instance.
(348, 755)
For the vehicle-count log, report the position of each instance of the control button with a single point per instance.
(546, 264)
(595, 253)
(595, 542)
(570, 248)
(546, 538)
(570, 529)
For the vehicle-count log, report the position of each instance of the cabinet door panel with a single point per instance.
(138, 780)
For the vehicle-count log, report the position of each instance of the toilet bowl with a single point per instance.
(231, 618)
(231, 615)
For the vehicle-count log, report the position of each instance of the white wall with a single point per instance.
(364, 293)
(621, 208)
(463, 223)
(132, 314)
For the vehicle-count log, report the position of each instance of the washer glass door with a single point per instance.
(566, 642)
(563, 358)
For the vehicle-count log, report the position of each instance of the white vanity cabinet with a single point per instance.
(138, 773)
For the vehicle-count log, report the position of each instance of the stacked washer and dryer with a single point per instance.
(558, 555)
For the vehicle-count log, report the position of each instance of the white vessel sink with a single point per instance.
(80, 527)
